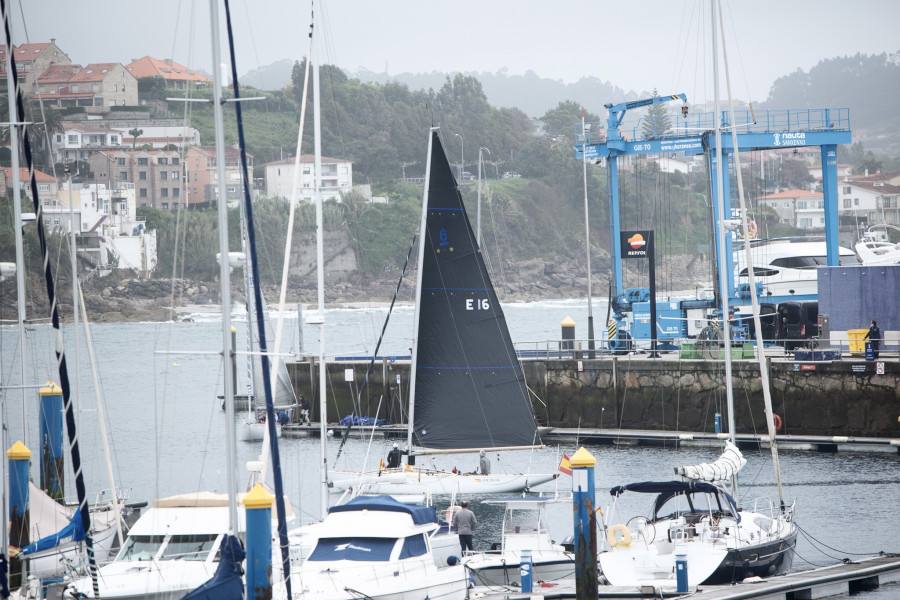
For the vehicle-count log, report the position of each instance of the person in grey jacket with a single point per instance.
(464, 520)
(484, 464)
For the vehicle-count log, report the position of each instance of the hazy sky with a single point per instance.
(635, 44)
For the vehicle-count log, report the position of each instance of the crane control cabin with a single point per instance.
(694, 134)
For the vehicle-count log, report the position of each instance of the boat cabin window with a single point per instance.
(365, 549)
(523, 521)
(760, 272)
(414, 545)
(141, 547)
(189, 547)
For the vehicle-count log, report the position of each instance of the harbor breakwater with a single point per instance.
(838, 398)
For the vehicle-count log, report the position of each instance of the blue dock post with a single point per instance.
(51, 420)
(681, 571)
(586, 575)
(19, 457)
(526, 572)
(258, 504)
(718, 423)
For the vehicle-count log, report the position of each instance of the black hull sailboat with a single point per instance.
(467, 391)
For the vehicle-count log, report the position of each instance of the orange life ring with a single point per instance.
(778, 423)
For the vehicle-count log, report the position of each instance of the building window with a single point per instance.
(175, 160)
(120, 162)
(143, 161)
(123, 175)
(164, 192)
(174, 175)
(56, 221)
(856, 202)
(176, 192)
(801, 204)
(142, 176)
(165, 206)
(787, 204)
(163, 175)
(44, 187)
(232, 188)
(194, 191)
(58, 138)
(847, 202)
(163, 161)
(306, 170)
(847, 190)
(73, 139)
(143, 193)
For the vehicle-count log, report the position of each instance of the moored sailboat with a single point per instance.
(467, 389)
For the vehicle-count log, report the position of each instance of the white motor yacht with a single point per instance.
(377, 548)
(787, 266)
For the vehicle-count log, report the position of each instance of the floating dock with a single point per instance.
(843, 578)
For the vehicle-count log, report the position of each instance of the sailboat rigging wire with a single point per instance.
(260, 317)
(371, 366)
(69, 410)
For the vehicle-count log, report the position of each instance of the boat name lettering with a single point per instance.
(478, 304)
(348, 546)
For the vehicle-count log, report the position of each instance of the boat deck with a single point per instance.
(841, 578)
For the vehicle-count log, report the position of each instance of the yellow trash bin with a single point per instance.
(856, 340)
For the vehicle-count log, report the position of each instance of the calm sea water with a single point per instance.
(159, 383)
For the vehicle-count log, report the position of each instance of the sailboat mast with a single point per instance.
(720, 245)
(417, 313)
(17, 228)
(320, 276)
(754, 299)
(224, 268)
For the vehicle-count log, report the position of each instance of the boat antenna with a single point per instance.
(69, 410)
(260, 317)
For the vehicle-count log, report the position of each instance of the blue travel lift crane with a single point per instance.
(774, 129)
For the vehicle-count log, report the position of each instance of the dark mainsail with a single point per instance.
(469, 389)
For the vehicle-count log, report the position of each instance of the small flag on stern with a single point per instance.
(564, 465)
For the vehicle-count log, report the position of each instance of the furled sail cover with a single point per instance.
(728, 464)
(470, 390)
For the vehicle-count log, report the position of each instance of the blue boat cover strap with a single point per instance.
(420, 514)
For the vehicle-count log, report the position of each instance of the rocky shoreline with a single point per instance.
(121, 299)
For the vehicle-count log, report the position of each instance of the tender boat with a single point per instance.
(524, 529)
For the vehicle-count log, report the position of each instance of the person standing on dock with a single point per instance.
(304, 410)
(874, 336)
(464, 520)
(484, 464)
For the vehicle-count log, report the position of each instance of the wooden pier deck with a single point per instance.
(841, 578)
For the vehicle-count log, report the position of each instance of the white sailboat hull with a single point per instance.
(436, 482)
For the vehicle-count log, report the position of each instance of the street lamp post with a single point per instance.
(462, 155)
(478, 221)
(587, 239)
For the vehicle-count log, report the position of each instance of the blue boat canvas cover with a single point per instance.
(470, 390)
(73, 532)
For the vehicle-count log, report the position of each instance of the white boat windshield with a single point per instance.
(189, 547)
(141, 547)
(520, 520)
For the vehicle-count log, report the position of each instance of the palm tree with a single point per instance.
(134, 133)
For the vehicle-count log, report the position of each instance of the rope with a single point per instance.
(260, 317)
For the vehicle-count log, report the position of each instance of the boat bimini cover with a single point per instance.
(668, 489)
(421, 515)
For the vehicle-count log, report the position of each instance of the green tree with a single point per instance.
(656, 123)
(135, 133)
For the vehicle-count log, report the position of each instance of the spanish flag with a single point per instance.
(408, 468)
(381, 465)
(564, 465)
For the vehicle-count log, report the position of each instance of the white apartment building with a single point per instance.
(337, 178)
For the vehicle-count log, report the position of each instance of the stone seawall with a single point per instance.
(847, 398)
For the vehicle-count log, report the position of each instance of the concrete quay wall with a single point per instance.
(845, 398)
